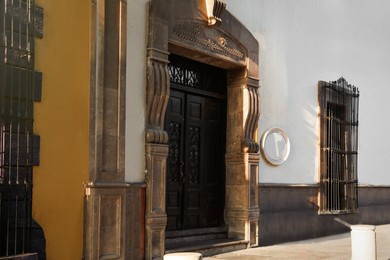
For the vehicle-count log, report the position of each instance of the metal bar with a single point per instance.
(339, 124)
(7, 229)
(16, 124)
(16, 226)
(330, 176)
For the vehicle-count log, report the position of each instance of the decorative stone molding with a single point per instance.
(157, 96)
(247, 108)
(214, 40)
(249, 142)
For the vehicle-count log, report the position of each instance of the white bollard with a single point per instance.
(363, 242)
(183, 256)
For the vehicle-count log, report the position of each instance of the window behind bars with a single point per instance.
(17, 141)
(339, 106)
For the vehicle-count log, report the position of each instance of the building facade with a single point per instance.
(235, 123)
(302, 43)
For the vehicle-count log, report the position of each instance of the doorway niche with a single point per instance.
(181, 28)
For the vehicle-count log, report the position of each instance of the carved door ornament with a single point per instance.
(193, 33)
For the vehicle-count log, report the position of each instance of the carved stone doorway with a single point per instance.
(182, 28)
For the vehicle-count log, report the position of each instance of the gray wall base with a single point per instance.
(289, 213)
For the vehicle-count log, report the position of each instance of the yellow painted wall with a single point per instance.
(62, 121)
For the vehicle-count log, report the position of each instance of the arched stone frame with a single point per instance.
(181, 27)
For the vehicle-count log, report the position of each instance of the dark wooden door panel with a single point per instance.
(214, 170)
(174, 124)
(195, 165)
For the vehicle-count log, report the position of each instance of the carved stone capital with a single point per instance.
(156, 136)
(249, 145)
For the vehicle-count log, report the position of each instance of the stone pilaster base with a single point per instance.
(114, 221)
(241, 208)
(155, 215)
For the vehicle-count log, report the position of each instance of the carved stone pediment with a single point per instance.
(201, 37)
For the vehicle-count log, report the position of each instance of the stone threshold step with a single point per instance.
(194, 235)
(209, 247)
(195, 232)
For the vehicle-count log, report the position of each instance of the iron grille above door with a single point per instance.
(339, 107)
(194, 75)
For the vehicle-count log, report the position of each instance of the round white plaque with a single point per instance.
(275, 146)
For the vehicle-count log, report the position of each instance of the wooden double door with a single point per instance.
(195, 179)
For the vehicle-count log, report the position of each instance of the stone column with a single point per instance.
(156, 147)
(114, 210)
(242, 158)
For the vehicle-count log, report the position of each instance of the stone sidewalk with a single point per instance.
(331, 247)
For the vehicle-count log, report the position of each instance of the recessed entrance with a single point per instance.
(196, 122)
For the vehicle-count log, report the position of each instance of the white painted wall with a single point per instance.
(303, 41)
(137, 13)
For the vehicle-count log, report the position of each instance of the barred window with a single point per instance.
(17, 142)
(339, 106)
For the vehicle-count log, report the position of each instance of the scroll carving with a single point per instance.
(219, 7)
(252, 119)
(216, 41)
(157, 100)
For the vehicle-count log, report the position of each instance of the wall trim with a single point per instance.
(287, 185)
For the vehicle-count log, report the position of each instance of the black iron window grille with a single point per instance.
(17, 77)
(339, 112)
(197, 76)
